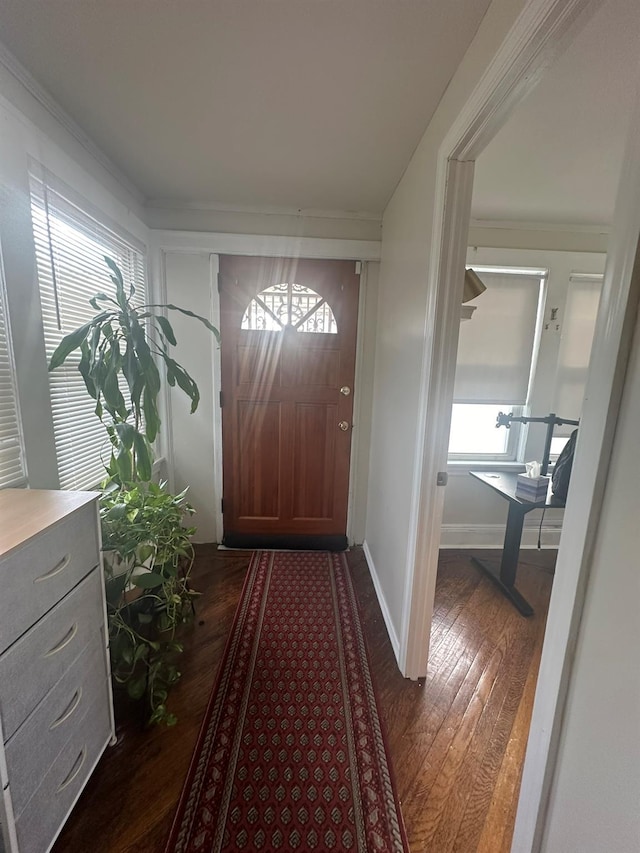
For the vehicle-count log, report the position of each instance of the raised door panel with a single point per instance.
(258, 460)
(314, 365)
(258, 362)
(314, 462)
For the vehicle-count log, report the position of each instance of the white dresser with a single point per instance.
(56, 710)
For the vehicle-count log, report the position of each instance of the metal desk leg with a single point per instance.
(505, 578)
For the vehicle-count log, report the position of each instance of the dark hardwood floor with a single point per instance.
(456, 742)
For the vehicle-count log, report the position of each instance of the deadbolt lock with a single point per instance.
(345, 390)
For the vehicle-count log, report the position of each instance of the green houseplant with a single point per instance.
(146, 540)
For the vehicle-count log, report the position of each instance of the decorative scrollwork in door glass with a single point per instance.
(288, 304)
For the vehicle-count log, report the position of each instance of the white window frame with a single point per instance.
(514, 441)
(75, 472)
(562, 266)
(9, 402)
(518, 432)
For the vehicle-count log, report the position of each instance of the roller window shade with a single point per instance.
(71, 244)
(496, 346)
(12, 467)
(578, 326)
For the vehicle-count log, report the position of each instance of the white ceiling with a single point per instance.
(319, 104)
(558, 158)
(312, 104)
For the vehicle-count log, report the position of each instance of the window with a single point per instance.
(12, 467)
(474, 433)
(578, 326)
(289, 304)
(71, 243)
(496, 354)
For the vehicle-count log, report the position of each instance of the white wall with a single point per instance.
(27, 129)
(595, 796)
(191, 449)
(401, 342)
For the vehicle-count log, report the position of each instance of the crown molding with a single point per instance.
(516, 225)
(257, 210)
(49, 103)
(196, 242)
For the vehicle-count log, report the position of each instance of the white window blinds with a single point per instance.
(71, 243)
(578, 326)
(12, 467)
(496, 346)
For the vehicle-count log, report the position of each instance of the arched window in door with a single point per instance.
(289, 304)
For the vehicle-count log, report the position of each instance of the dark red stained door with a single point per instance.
(288, 332)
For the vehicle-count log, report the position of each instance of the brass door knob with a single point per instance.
(345, 390)
(344, 425)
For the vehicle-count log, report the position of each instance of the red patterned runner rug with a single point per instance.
(291, 755)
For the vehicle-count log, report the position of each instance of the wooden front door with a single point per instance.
(288, 330)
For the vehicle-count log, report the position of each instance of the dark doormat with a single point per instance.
(285, 542)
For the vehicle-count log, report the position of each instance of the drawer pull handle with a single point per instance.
(73, 630)
(59, 567)
(77, 767)
(71, 707)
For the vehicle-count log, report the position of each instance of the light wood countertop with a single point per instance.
(25, 512)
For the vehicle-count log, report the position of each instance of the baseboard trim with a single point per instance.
(393, 637)
(492, 536)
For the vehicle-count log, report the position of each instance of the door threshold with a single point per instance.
(284, 542)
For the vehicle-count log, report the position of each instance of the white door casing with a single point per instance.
(537, 37)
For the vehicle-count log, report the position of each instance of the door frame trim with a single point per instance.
(214, 266)
(537, 37)
(265, 245)
(216, 244)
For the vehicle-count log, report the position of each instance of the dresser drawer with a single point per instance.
(33, 665)
(44, 569)
(41, 819)
(35, 746)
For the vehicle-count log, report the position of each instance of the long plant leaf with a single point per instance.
(116, 278)
(85, 369)
(94, 340)
(184, 380)
(188, 313)
(124, 465)
(167, 329)
(130, 366)
(151, 417)
(67, 345)
(136, 394)
(126, 434)
(147, 363)
(144, 460)
(112, 394)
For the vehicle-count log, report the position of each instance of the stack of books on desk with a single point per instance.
(532, 488)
